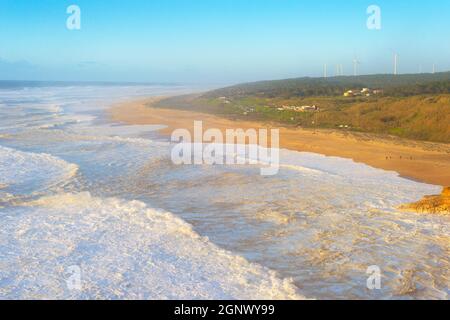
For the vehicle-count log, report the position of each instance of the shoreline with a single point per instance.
(415, 160)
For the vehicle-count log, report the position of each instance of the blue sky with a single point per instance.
(217, 41)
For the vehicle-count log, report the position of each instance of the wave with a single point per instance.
(124, 250)
(26, 172)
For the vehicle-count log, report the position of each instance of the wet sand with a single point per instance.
(421, 161)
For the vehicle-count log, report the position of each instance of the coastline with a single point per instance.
(420, 161)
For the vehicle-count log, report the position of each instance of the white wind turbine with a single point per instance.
(339, 70)
(356, 63)
(395, 63)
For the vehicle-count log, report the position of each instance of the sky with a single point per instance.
(218, 41)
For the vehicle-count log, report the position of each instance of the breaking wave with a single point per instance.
(125, 250)
(26, 172)
(320, 221)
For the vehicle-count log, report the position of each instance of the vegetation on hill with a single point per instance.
(400, 85)
(411, 106)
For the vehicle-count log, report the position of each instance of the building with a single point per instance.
(363, 92)
(352, 93)
(309, 108)
(300, 109)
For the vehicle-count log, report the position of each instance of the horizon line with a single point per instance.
(177, 83)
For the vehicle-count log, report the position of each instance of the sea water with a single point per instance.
(105, 198)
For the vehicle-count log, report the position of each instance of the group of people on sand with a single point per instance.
(401, 158)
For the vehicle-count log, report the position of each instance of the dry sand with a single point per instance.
(421, 161)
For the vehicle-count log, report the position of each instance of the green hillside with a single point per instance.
(400, 85)
(409, 106)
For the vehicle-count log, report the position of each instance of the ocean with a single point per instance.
(91, 209)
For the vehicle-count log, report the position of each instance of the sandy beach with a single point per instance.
(421, 161)
(102, 199)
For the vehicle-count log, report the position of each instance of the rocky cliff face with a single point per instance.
(438, 204)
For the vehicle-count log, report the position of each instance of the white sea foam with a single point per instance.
(26, 172)
(125, 251)
(321, 220)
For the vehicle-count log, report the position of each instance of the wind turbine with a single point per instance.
(339, 70)
(434, 68)
(356, 63)
(395, 63)
(325, 71)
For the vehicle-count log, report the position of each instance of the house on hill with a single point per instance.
(363, 92)
(312, 108)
